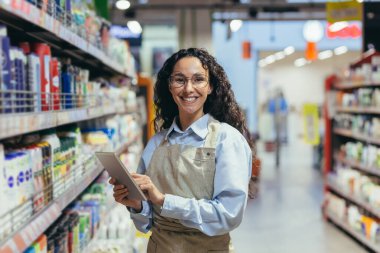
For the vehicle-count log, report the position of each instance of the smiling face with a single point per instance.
(190, 98)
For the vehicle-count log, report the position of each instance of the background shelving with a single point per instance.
(351, 166)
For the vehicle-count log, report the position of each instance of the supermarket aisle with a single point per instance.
(286, 216)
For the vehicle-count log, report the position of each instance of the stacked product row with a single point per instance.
(365, 155)
(356, 218)
(37, 169)
(92, 223)
(363, 124)
(365, 73)
(363, 97)
(72, 232)
(32, 80)
(362, 187)
(80, 17)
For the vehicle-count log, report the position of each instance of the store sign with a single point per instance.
(311, 124)
(343, 11)
(352, 31)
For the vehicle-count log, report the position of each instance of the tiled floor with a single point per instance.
(286, 216)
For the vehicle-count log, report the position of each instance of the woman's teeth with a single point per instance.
(189, 99)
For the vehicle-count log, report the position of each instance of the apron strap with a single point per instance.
(213, 131)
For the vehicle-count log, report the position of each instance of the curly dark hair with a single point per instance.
(221, 103)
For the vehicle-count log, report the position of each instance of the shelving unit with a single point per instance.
(357, 165)
(336, 138)
(362, 110)
(354, 199)
(37, 24)
(355, 85)
(361, 238)
(27, 22)
(357, 136)
(39, 222)
(22, 123)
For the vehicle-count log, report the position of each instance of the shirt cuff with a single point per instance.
(144, 212)
(173, 207)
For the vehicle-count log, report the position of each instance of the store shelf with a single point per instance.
(355, 200)
(22, 123)
(361, 238)
(360, 137)
(355, 85)
(24, 16)
(42, 220)
(357, 165)
(364, 110)
(37, 224)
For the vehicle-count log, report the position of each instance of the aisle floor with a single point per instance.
(286, 216)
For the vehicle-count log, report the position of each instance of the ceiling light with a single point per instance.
(337, 26)
(262, 63)
(313, 31)
(235, 25)
(123, 4)
(340, 50)
(289, 50)
(360, 1)
(270, 59)
(300, 62)
(279, 55)
(325, 54)
(134, 26)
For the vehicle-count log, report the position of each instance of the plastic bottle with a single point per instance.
(54, 83)
(44, 53)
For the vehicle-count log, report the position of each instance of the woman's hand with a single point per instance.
(120, 194)
(146, 185)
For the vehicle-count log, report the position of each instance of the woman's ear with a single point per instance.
(209, 90)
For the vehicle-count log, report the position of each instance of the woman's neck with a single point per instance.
(185, 121)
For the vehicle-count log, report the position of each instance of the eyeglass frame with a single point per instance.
(188, 79)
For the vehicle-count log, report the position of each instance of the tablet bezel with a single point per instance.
(121, 174)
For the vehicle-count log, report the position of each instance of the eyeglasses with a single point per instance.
(198, 80)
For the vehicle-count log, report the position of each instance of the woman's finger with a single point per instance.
(120, 191)
(145, 186)
(118, 187)
(112, 181)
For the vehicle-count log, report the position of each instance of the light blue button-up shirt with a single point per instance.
(224, 211)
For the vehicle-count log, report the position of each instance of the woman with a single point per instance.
(195, 170)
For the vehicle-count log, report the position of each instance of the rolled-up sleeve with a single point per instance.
(225, 210)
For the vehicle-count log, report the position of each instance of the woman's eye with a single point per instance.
(179, 80)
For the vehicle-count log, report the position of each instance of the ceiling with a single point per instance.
(165, 12)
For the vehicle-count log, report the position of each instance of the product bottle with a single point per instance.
(54, 88)
(5, 84)
(44, 54)
(66, 85)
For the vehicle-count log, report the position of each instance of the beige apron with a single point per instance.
(188, 172)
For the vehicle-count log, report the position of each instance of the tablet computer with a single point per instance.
(117, 170)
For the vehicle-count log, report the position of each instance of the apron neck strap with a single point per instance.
(213, 129)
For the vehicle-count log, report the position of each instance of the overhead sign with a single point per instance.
(351, 31)
(344, 11)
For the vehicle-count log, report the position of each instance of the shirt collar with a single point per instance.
(199, 127)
